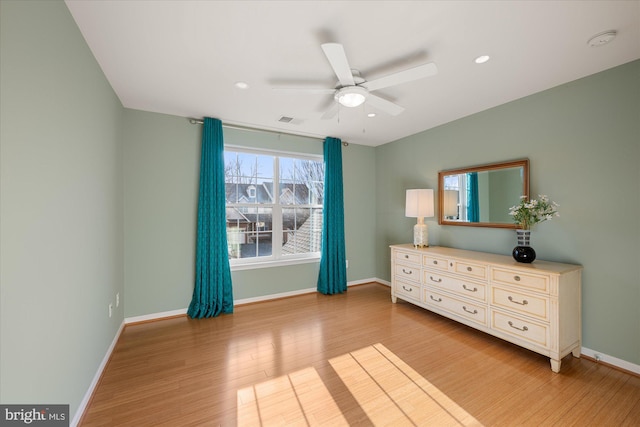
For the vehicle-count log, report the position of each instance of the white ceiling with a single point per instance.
(183, 57)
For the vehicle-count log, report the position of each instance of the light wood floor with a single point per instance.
(351, 359)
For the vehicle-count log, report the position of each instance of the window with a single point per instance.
(458, 184)
(274, 206)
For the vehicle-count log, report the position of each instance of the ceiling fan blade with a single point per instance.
(338, 60)
(419, 72)
(331, 112)
(319, 91)
(384, 105)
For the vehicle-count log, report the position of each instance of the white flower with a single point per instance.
(529, 213)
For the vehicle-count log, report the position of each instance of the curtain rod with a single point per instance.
(252, 129)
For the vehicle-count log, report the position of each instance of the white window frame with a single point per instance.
(276, 259)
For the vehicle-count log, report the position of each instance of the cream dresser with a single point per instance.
(536, 306)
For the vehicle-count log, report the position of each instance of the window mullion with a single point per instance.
(276, 238)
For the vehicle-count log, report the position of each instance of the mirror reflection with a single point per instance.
(481, 196)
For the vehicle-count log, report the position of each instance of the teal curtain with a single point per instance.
(473, 205)
(332, 278)
(212, 294)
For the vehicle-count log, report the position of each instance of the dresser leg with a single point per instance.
(555, 365)
(394, 299)
(576, 352)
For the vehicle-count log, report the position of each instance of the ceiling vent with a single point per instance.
(290, 120)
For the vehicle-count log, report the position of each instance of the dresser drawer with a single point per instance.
(530, 281)
(461, 308)
(436, 263)
(407, 272)
(462, 287)
(536, 306)
(407, 290)
(471, 270)
(530, 331)
(407, 257)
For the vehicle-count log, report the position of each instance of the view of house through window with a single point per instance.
(274, 205)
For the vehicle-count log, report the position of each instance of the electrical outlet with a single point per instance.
(118, 299)
(110, 310)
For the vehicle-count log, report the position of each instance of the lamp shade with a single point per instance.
(419, 203)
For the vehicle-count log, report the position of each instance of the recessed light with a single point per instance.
(481, 59)
(371, 115)
(602, 38)
(242, 85)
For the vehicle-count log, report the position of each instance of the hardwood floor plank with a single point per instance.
(352, 359)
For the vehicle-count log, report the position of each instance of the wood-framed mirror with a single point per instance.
(480, 196)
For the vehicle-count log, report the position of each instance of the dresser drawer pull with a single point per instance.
(469, 289)
(524, 302)
(523, 329)
(405, 288)
(436, 300)
(407, 272)
(516, 278)
(435, 262)
(434, 280)
(469, 311)
(469, 269)
(406, 256)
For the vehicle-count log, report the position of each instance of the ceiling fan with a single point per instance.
(353, 90)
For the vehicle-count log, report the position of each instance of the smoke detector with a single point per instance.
(602, 38)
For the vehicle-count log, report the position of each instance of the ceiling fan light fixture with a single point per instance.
(351, 96)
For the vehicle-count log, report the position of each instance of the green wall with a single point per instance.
(583, 141)
(161, 183)
(97, 200)
(61, 207)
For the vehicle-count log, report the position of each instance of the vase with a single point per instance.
(524, 252)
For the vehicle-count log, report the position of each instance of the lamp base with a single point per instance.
(420, 235)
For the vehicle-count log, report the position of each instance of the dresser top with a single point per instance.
(495, 259)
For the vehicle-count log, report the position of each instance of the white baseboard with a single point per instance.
(364, 281)
(298, 292)
(154, 316)
(274, 296)
(164, 314)
(96, 378)
(610, 360)
(384, 282)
